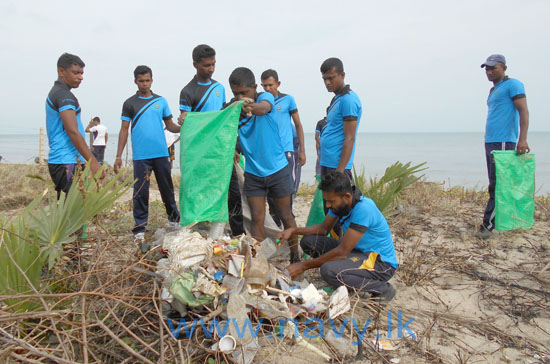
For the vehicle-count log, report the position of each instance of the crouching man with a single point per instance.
(364, 258)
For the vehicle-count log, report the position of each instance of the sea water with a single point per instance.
(453, 159)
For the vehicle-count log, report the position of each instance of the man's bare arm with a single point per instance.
(181, 118)
(521, 105)
(122, 139)
(349, 141)
(321, 229)
(300, 132)
(171, 126)
(90, 125)
(345, 247)
(261, 108)
(70, 124)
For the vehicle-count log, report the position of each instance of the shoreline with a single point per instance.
(454, 159)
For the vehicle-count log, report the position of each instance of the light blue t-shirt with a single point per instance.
(365, 216)
(147, 115)
(62, 149)
(261, 143)
(503, 117)
(285, 106)
(344, 106)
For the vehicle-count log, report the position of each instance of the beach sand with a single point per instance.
(470, 301)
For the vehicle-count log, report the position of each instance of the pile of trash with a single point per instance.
(234, 279)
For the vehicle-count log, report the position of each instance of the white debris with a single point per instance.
(339, 302)
(185, 249)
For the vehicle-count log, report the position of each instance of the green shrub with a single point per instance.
(37, 235)
(385, 190)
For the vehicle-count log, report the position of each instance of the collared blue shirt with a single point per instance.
(147, 115)
(285, 106)
(343, 106)
(62, 149)
(503, 117)
(261, 143)
(365, 216)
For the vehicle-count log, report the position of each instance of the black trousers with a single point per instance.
(362, 271)
(234, 205)
(142, 171)
(98, 152)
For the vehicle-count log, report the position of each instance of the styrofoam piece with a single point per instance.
(338, 302)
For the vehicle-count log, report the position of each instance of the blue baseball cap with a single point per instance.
(493, 59)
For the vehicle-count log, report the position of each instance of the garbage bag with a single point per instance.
(316, 212)
(207, 146)
(514, 190)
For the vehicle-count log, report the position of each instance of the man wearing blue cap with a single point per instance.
(507, 124)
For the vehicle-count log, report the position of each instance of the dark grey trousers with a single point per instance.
(349, 271)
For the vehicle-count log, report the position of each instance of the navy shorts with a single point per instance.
(278, 184)
(62, 176)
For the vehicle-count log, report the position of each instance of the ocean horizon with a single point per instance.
(453, 159)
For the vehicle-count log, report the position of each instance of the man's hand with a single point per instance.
(285, 235)
(247, 106)
(95, 167)
(523, 147)
(302, 157)
(296, 269)
(236, 158)
(118, 164)
(181, 118)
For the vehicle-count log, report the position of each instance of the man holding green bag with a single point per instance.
(507, 124)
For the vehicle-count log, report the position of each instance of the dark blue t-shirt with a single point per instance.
(147, 115)
(344, 106)
(62, 149)
(261, 143)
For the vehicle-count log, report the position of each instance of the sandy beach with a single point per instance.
(467, 300)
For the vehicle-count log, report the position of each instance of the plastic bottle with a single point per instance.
(216, 230)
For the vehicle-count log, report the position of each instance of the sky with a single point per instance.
(414, 64)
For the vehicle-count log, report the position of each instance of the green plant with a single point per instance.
(20, 262)
(385, 190)
(38, 234)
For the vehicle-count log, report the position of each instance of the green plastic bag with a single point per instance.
(181, 289)
(207, 145)
(316, 212)
(514, 190)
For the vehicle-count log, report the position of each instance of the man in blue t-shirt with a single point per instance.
(64, 127)
(146, 114)
(203, 93)
(507, 124)
(266, 169)
(343, 118)
(364, 258)
(288, 120)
